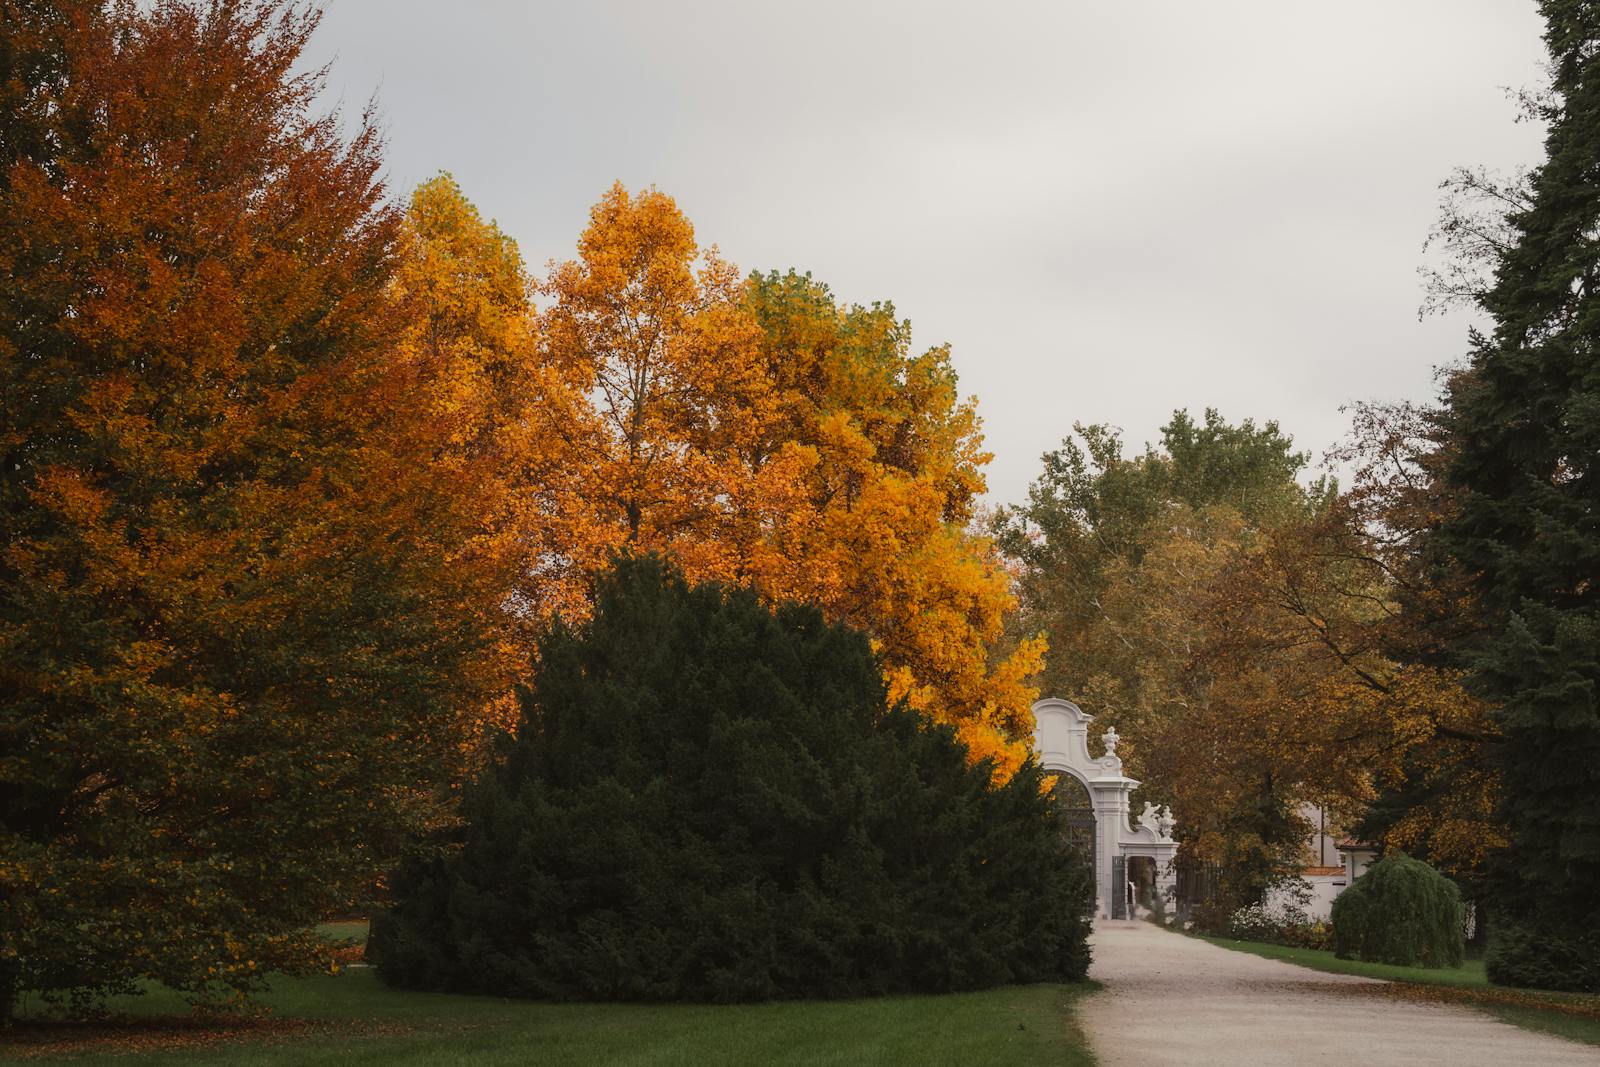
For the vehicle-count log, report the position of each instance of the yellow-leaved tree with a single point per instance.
(754, 431)
(881, 539)
(495, 417)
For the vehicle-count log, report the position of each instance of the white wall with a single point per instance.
(1323, 889)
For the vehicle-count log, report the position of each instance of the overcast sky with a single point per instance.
(1109, 210)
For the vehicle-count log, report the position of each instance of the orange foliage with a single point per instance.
(244, 570)
(754, 432)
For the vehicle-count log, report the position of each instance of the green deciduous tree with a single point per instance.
(1095, 512)
(1128, 568)
(1261, 643)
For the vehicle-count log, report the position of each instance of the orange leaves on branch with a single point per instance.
(477, 404)
(250, 512)
(651, 331)
(756, 432)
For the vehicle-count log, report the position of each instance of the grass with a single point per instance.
(354, 1019)
(345, 930)
(1469, 975)
(1574, 1016)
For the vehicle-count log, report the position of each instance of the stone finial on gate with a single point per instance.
(1165, 822)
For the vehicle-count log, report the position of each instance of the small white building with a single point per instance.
(1326, 879)
(1357, 856)
(1095, 793)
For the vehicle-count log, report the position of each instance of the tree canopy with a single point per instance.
(240, 611)
(1523, 419)
(754, 431)
(1242, 629)
(294, 473)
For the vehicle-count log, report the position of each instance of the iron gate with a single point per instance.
(1119, 887)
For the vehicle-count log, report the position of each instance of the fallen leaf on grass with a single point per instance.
(1575, 1004)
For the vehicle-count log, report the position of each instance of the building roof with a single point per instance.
(1322, 872)
(1352, 845)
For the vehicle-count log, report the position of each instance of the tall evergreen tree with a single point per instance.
(1525, 419)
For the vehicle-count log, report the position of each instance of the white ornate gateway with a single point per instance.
(1098, 811)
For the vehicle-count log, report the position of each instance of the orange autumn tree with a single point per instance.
(243, 571)
(753, 431)
(1344, 616)
(655, 334)
(1361, 695)
(1438, 790)
(475, 394)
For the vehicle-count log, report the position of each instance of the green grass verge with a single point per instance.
(1574, 1016)
(354, 1019)
(1545, 1021)
(1469, 975)
(345, 930)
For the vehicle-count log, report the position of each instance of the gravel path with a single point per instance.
(1170, 999)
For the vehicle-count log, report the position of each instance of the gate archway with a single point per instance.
(1095, 794)
(1076, 806)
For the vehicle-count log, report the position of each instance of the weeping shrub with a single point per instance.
(709, 800)
(1400, 911)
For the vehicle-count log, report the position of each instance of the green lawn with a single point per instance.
(1570, 1015)
(1469, 975)
(345, 930)
(354, 1019)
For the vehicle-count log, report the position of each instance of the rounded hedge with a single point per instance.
(710, 800)
(1400, 911)
(1532, 955)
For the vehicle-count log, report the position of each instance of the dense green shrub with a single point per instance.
(707, 800)
(1550, 958)
(1400, 911)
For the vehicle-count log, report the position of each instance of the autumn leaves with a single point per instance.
(1260, 642)
(292, 473)
(750, 429)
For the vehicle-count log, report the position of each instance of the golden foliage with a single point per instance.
(244, 569)
(754, 432)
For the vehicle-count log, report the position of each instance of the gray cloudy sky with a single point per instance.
(1109, 210)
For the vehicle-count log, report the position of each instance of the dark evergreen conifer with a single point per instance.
(707, 800)
(1525, 419)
